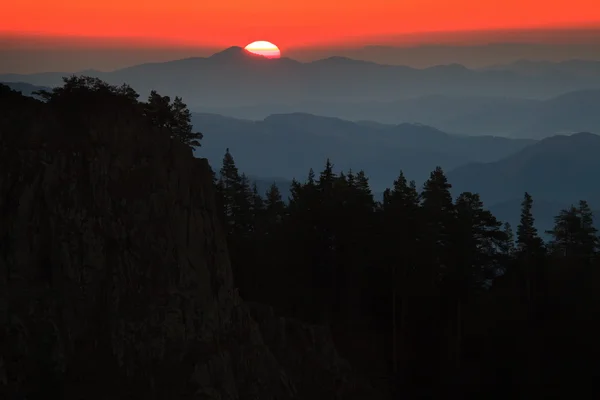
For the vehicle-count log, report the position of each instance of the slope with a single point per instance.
(560, 169)
(297, 142)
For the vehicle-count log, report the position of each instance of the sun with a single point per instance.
(265, 49)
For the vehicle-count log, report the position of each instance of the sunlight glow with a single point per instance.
(264, 48)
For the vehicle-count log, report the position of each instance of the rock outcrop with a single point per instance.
(115, 280)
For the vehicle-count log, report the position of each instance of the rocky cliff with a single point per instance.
(115, 278)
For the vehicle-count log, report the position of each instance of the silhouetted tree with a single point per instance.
(173, 116)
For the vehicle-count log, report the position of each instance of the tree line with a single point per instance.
(454, 294)
(79, 92)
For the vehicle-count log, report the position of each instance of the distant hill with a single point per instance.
(293, 143)
(543, 211)
(581, 68)
(234, 78)
(569, 113)
(25, 88)
(503, 116)
(560, 169)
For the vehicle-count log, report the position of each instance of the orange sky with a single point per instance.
(287, 23)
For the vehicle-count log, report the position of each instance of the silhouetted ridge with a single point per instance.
(449, 68)
(235, 53)
(302, 117)
(339, 60)
(559, 168)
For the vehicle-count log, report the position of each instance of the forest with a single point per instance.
(420, 289)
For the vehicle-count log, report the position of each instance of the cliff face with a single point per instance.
(115, 278)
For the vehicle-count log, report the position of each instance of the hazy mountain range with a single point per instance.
(296, 142)
(513, 117)
(557, 171)
(26, 89)
(233, 77)
(521, 99)
(559, 168)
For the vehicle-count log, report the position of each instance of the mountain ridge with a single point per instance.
(297, 142)
(559, 168)
(233, 77)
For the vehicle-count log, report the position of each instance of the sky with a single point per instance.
(293, 25)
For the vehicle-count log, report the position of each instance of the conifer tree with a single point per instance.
(528, 241)
(574, 234)
(400, 207)
(588, 232)
(438, 217)
(566, 233)
(182, 128)
(173, 116)
(507, 248)
(530, 259)
(258, 202)
(326, 180)
(274, 205)
(477, 239)
(230, 185)
(245, 206)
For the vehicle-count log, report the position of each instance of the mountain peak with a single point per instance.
(234, 53)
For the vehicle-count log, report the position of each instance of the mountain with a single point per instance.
(25, 88)
(473, 56)
(235, 78)
(297, 142)
(581, 68)
(569, 113)
(560, 169)
(483, 115)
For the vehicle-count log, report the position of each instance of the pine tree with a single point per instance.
(566, 232)
(531, 267)
(230, 185)
(365, 195)
(311, 177)
(258, 202)
(401, 211)
(438, 216)
(351, 179)
(588, 233)
(274, 205)
(507, 248)
(245, 210)
(528, 241)
(574, 234)
(173, 116)
(182, 128)
(477, 240)
(326, 180)
(258, 212)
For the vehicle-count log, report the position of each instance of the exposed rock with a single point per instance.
(115, 278)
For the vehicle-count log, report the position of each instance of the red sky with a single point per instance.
(287, 23)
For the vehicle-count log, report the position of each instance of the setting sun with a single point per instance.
(263, 48)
